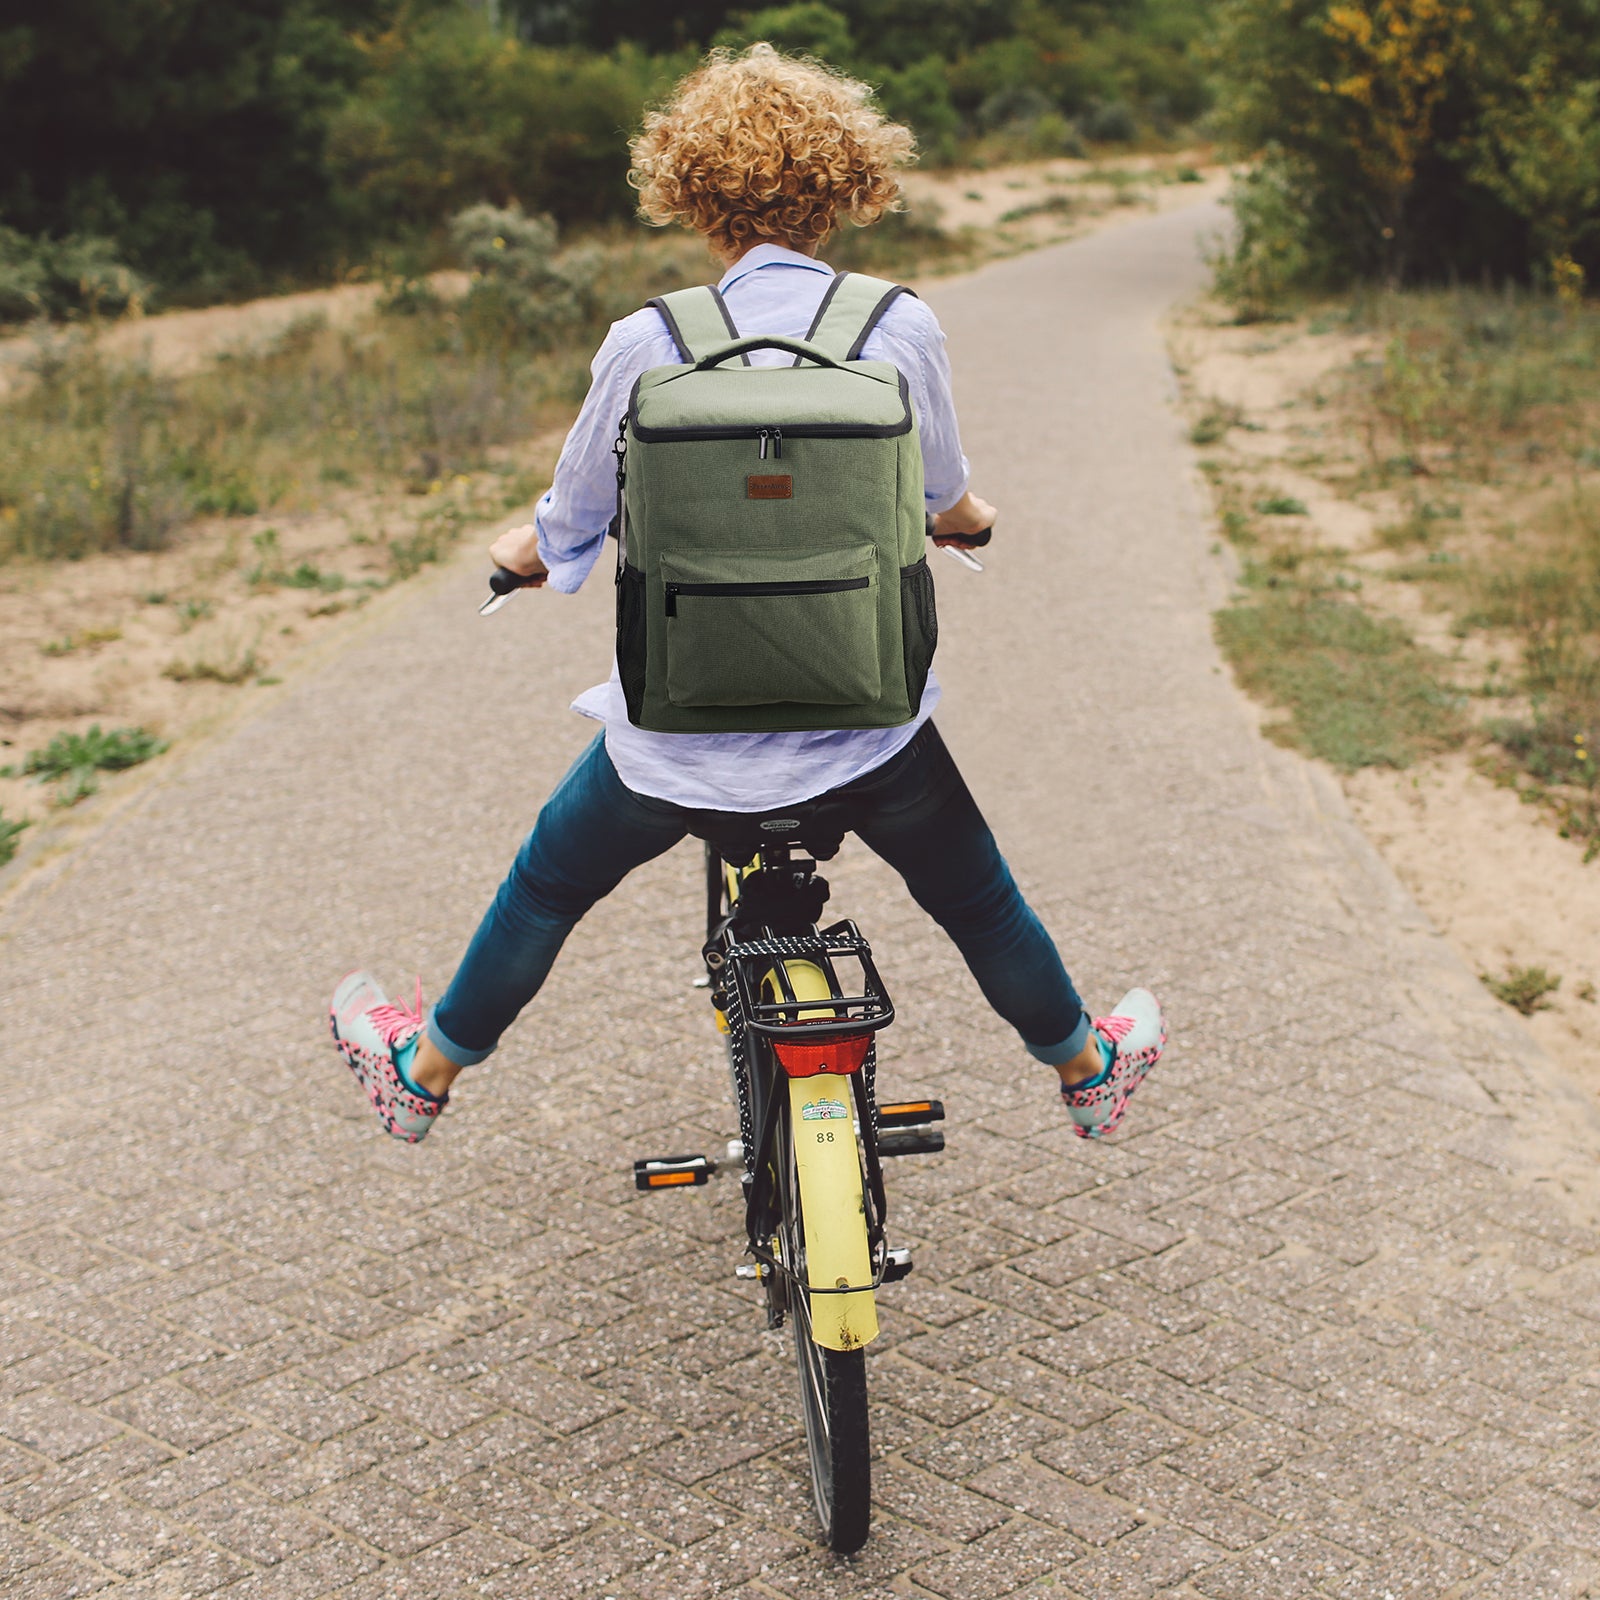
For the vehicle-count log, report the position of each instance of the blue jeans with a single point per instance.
(916, 813)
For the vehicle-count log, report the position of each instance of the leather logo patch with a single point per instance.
(777, 486)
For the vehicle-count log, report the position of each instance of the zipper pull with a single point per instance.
(765, 437)
(777, 444)
(672, 599)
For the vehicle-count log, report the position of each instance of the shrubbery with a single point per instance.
(59, 278)
(1412, 140)
(345, 133)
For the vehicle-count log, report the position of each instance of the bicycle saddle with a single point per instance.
(816, 826)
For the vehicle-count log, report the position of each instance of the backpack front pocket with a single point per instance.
(767, 627)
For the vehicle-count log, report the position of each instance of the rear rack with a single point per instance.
(866, 1011)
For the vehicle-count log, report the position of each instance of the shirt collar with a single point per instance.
(770, 255)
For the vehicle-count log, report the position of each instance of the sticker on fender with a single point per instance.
(824, 1111)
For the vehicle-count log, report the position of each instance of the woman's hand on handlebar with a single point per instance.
(517, 550)
(967, 516)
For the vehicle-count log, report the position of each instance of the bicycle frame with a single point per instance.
(777, 994)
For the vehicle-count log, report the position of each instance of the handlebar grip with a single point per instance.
(503, 580)
(968, 541)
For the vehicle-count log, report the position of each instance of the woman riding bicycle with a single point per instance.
(762, 155)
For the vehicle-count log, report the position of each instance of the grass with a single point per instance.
(1357, 690)
(96, 750)
(10, 835)
(1476, 383)
(1524, 989)
(73, 762)
(223, 661)
(1475, 416)
(1493, 402)
(1059, 205)
(102, 455)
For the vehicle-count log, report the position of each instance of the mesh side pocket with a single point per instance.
(630, 640)
(919, 626)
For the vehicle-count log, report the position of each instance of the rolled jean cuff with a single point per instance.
(449, 1049)
(1056, 1055)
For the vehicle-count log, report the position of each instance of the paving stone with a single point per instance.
(1291, 1564)
(934, 1503)
(992, 1436)
(1543, 1574)
(926, 1394)
(998, 1562)
(518, 1508)
(1153, 1488)
(45, 1490)
(1127, 1438)
(251, 1526)
(1025, 1486)
(587, 1565)
(384, 1516)
(118, 1534)
(55, 1428)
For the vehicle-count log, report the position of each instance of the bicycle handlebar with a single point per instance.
(503, 580)
(966, 541)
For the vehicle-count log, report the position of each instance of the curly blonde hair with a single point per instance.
(760, 146)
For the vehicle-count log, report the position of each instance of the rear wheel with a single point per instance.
(833, 1396)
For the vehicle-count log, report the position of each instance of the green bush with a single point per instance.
(1414, 140)
(453, 112)
(807, 28)
(58, 278)
(518, 289)
(1269, 253)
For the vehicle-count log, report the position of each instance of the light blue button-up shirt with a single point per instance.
(774, 291)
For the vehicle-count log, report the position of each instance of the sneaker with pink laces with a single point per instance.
(378, 1040)
(1132, 1039)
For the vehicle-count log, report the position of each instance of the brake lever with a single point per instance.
(503, 583)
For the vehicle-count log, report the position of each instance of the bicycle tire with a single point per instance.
(833, 1395)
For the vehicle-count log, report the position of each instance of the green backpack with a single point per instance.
(771, 567)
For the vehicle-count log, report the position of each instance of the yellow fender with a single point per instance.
(822, 1117)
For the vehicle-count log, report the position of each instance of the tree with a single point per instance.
(190, 132)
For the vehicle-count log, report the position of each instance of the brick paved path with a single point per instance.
(1321, 1321)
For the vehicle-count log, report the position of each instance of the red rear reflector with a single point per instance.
(842, 1054)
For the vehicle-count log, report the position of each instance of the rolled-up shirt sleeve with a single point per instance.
(910, 337)
(574, 513)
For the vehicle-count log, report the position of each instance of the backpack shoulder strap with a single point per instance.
(850, 310)
(698, 321)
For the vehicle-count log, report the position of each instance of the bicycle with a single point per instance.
(810, 1151)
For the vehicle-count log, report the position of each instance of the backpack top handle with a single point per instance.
(698, 320)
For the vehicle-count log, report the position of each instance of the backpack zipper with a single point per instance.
(743, 591)
(774, 436)
(645, 434)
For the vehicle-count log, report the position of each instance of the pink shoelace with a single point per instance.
(1115, 1029)
(392, 1020)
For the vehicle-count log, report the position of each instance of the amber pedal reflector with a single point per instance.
(910, 1113)
(664, 1180)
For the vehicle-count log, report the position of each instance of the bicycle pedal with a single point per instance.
(910, 1113)
(916, 1141)
(672, 1172)
(896, 1265)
